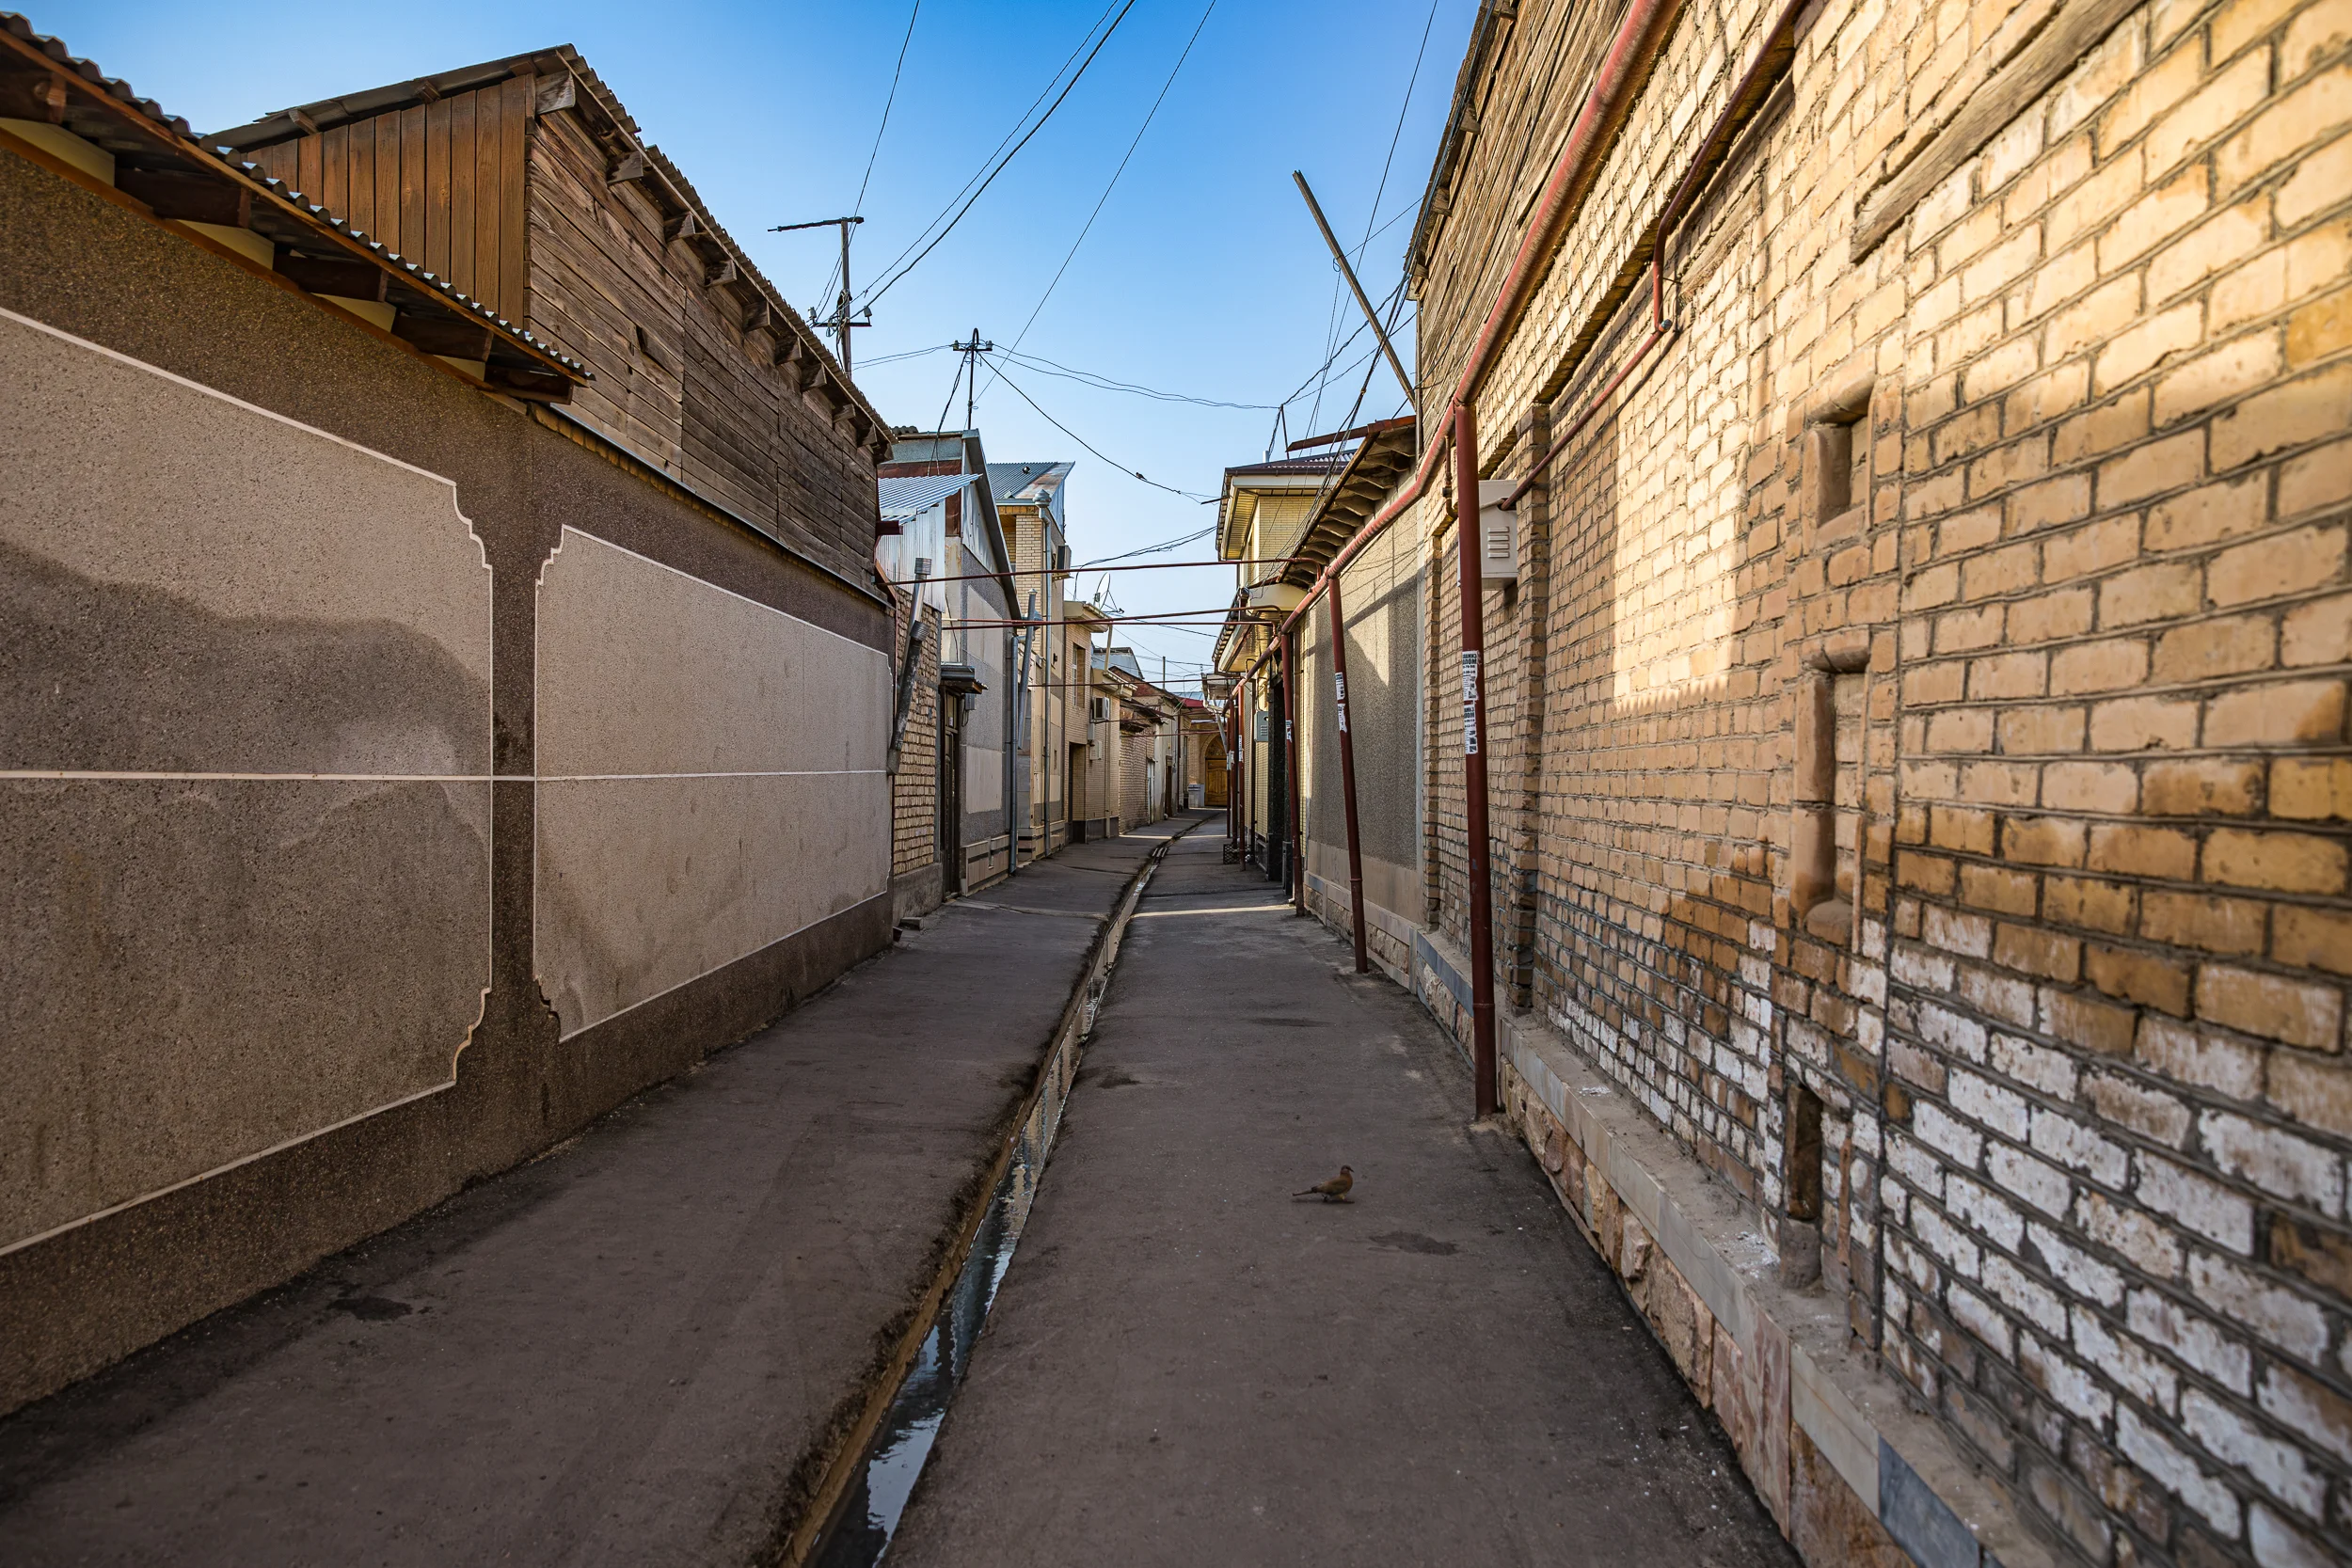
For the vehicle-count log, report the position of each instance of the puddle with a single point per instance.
(868, 1516)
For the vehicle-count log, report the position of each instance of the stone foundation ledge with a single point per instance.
(1850, 1470)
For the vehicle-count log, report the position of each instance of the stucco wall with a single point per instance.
(246, 734)
(710, 778)
(224, 553)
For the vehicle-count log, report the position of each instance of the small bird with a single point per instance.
(1333, 1191)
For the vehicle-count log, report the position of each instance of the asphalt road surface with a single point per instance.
(1187, 1365)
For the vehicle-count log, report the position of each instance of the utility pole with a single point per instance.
(841, 321)
(1349, 272)
(971, 352)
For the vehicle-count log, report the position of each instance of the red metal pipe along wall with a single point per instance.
(1778, 47)
(1633, 52)
(1347, 775)
(1477, 850)
(1290, 763)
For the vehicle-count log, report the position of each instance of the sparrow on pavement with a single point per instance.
(1333, 1191)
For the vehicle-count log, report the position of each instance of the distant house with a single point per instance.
(1263, 514)
(1202, 774)
(934, 493)
(1149, 786)
(1029, 503)
(1092, 808)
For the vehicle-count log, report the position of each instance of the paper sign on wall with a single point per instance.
(1469, 702)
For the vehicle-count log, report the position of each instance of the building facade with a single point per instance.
(404, 768)
(951, 542)
(1913, 684)
(1030, 500)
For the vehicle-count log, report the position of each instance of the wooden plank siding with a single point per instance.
(461, 184)
(436, 194)
(596, 252)
(515, 95)
(429, 181)
(517, 208)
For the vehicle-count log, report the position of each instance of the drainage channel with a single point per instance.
(867, 1515)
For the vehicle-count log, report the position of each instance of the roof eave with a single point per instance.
(165, 171)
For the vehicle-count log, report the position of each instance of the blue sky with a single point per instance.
(1203, 274)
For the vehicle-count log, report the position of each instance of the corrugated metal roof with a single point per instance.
(1321, 463)
(1010, 479)
(902, 498)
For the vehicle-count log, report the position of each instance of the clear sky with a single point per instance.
(1202, 276)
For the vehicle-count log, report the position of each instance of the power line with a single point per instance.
(1321, 378)
(1148, 549)
(1112, 184)
(859, 205)
(1136, 473)
(910, 354)
(1006, 140)
(1398, 135)
(1105, 384)
(1003, 163)
(1394, 303)
(962, 363)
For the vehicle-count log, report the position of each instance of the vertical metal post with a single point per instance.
(1237, 782)
(1290, 758)
(1476, 850)
(1250, 766)
(1348, 771)
(1016, 771)
(1013, 743)
(1234, 758)
(846, 224)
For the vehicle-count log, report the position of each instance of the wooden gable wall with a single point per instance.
(525, 195)
(442, 183)
(693, 368)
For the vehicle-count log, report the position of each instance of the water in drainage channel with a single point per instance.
(861, 1527)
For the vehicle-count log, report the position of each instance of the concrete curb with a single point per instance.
(838, 1469)
(1774, 1365)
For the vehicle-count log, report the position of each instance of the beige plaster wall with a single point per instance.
(710, 778)
(244, 738)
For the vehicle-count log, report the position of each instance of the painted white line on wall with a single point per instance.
(277, 1148)
(75, 774)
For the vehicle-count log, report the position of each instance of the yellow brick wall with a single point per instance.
(915, 790)
(2080, 1051)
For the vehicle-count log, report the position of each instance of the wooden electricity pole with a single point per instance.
(841, 321)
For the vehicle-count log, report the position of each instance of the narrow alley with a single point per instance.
(1152, 782)
(1187, 1365)
(638, 1348)
(643, 1347)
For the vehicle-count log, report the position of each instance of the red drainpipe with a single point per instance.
(1631, 52)
(1347, 775)
(1482, 936)
(1762, 73)
(1234, 795)
(1290, 761)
